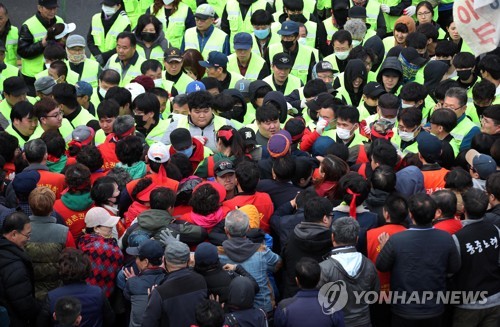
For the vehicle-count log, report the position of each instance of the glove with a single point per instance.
(385, 8)
(410, 11)
(166, 237)
(202, 139)
(100, 60)
(303, 103)
(320, 126)
(367, 130)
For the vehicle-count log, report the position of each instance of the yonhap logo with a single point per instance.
(333, 297)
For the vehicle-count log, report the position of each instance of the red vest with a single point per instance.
(434, 180)
(107, 150)
(54, 181)
(75, 220)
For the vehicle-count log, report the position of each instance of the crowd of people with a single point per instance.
(240, 162)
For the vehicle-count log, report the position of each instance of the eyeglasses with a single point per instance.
(424, 13)
(455, 109)
(59, 114)
(28, 236)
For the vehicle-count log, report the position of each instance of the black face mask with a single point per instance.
(238, 113)
(371, 109)
(299, 18)
(287, 44)
(464, 75)
(139, 122)
(447, 61)
(480, 109)
(148, 37)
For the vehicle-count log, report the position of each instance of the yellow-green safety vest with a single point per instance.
(311, 27)
(82, 118)
(136, 8)
(293, 83)
(396, 141)
(308, 7)
(11, 131)
(72, 77)
(236, 22)
(389, 20)
(156, 53)
(358, 138)
(31, 66)
(300, 67)
(192, 4)
(106, 42)
(254, 66)
(11, 46)
(323, 4)
(132, 72)
(180, 85)
(6, 109)
(99, 137)
(174, 30)
(461, 130)
(214, 43)
(157, 132)
(90, 72)
(9, 71)
(66, 129)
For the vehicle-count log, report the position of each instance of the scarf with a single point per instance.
(208, 221)
(56, 165)
(136, 171)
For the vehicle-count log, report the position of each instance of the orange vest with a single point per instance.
(434, 180)
(373, 250)
(54, 181)
(165, 182)
(107, 150)
(75, 220)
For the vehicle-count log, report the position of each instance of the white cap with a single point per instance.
(68, 28)
(135, 89)
(98, 216)
(158, 153)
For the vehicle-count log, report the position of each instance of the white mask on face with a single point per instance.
(355, 43)
(407, 136)
(342, 55)
(302, 41)
(108, 11)
(158, 82)
(343, 133)
(102, 92)
(167, 2)
(390, 120)
(47, 65)
(406, 105)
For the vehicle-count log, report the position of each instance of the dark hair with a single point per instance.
(129, 150)
(91, 157)
(303, 169)
(77, 178)
(464, 60)
(413, 91)
(314, 87)
(397, 208)
(147, 103)
(316, 208)
(65, 94)
(181, 161)
(295, 5)
(334, 168)
(43, 107)
(162, 198)
(425, 4)
(108, 109)
(342, 36)
(35, 150)
(482, 142)
(128, 35)
(446, 201)
(429, 30)
(205, 200)
(491, 64)
(141, 185)
(60, 67)
(146, 20)
(211, 83)
(15, 221)
(442, 87)
(493, 185)
(159, 92)
(401, 27)
(261, 17)
(416, 40)
(483, 90)
(121, 176)
(9, 146)
(110, 76)
(357, 184)
(411, 117)
(199, 99)
(308, 272)
(362, 53)
(458, 179)
(383, 153)
(495, 150)
(422, 208)
(67, 310)
(444, 117)
(150, 64)
(102, 189)
(475, 203)
(120, 95)
(284, 168)
(446, 48)
(56, 146)
(384, 178)
(74, 266)
(54, 52)
(209, 313)
(247, 175)
(192, 57)
(347, 113)
(21, 110)
(267, 113)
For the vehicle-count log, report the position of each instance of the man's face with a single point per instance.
(47, 13)
(454, 104)
(182, 110)
(201, 116)
(203, 24)
(269, 128)
(369, 101)
(124, 49)
(21, 238)
(489, 126)
(389, 81)
(83, 100)
(105, 85)
(345, 124)
(173, 67)
(327, 114)
(106, 124)
(326, 77)
(154, 74)
(280, 74)
(26, 126)
(227, 180)
(400, 36)
(13, 99)
(3, 18)
(436, 129)
(163, 103)
(341, 47)
(53, 73)
(243, 55)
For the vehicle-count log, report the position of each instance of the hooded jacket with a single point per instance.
(160, 41)
(375, 202)
(355, 68)
(279, 99)
(433, 74)
(240, 304)
(394, 64)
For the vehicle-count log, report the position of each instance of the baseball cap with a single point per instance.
(98, 216)
(243, 85)
(195, 86)
(316, 103)
(289, 27)
(68, 28)
(282, 60)
(411, 55)
(173, 54)
(429, 146)
(357, 12)
(242, 41)
(158, 153)
(373, 90)
(135, 89)
(83, 88)
(15, 86)
(177, 253)
(181, 139)
(215, 59)
(83, 134)
(45, 85)
(483, 164)
(149, 249)
(48, 3)
(224, 167)
(324, 66)
(147, 82)
(75, 40)
(204, 11)
(25, 182)
(248, 136)
(206, 255)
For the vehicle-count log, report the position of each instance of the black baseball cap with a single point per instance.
(180, 139)
(224, 167)
(282, 60)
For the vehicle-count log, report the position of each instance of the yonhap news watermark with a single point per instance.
(333, 296)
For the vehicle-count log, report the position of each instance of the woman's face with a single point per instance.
(453, 32)
(424, 15)
(149, 28)
(116, 193)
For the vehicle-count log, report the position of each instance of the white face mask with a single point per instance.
(108, 11)
(343, 133)
(47, 65)
(342, 55)
(302, 41)
(407, 136)
(355, 43)
(167, 2)
(158, 82)
(102, 92)
(406, 105)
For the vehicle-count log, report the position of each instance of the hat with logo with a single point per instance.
(242, 41)
(195, 86)
(149, 249)
(181, 139)
(289, 27)
(158, 153)
(357, 12)
(224, 167)
(75, 40)
(15, 86)
(483, 164)
(243, 85)
(83, 134)
(282, 61)
(204, 11)
(173, 54)
(45, 85)
(324, 66)
(248, 135)
(215, 59)
(373, 90)
(177, 253)
(98, 216)
(411, 55)
(49, 4)
(83, 88)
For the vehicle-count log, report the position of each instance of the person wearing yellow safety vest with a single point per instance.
(151, 41)
(408, 130)
(23, 122)
(281, 80)
(424, 13)
(392, 10)
(237, 15)
(87, 69)
(33, 40)
(321, 83)
(489, 67)
(465, 64)
(261, 22)
(105, 27)
(6, 70)
(404, 26)
(135, 8)
(390, 75)
(200, 121)
(451, 28)
(244, 62)
(373, 15)
(14, 91)
(84, 93)
(356, 18)
(174, 76)
(205, 37)
(65, 96)
(355, 76)
(415, 95)
(430, 31)
(147, 117)
(50, 117)
(175, 16)
(126, 61)
(443, 121)
(216, 66)
(106, 80)
(342, 45)
(456, 100)
(8, 35)
(369, 108)
(301, 56)
(483, 96)
(44, 86)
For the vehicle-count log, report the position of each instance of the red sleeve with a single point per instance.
(308, 140)
(70, 241)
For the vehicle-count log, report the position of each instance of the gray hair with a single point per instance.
(35, 150)
(345, 230)
(237, 223)
(357, 28)
(123, 124)
(457, 93)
